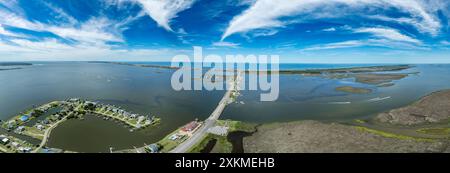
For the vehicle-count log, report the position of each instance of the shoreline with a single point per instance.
(136, 65)
(362, 68)
(15, 64)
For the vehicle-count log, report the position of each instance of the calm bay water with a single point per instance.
(315, 98)
(139, 90)
(148, 91)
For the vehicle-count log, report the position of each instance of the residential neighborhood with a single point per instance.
(135, 121)
(38, 123)
(10, 144)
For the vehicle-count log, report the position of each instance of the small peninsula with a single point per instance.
(39, 122)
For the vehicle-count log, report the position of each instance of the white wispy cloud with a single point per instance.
(11, 5)
(87, 39)
(445, 43)
(60, 13)
(163, 11)
(388, 33)
(380, 37)
(47, 45)
(226, 44)
(269, 13)
(329, 29)
(264, 33)
(338, 45)
(382, 43)
(93, 30)
(52, 50)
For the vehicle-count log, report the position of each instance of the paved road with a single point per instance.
(47, 134)
(208, 123)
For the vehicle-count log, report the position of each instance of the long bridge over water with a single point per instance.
(198, 135)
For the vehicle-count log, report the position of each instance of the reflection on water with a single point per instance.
(94, 134)
(148, 91)
(236, 139)
(209, 146)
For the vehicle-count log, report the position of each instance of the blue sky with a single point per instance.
(309, 31)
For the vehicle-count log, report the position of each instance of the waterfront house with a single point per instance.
(42, 109)
(74, 100)
(152, 148)
(40, 127)
(89, 103)
(174, 137)
(140, 119)
(20, 129)
(4, 140)
(24, 149)
(45, 121)
(190, 127)
(93, 103)
(15, 144)
(10, 125)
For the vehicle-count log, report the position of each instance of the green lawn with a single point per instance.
(391, 135)
(222, 145)
(435, 131)
(4, 149)
(237, 125)
(33, 132)
(167, 144)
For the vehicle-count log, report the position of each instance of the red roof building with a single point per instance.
(190, 127)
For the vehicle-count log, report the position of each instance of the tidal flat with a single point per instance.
(315, 136)
(355, 90)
